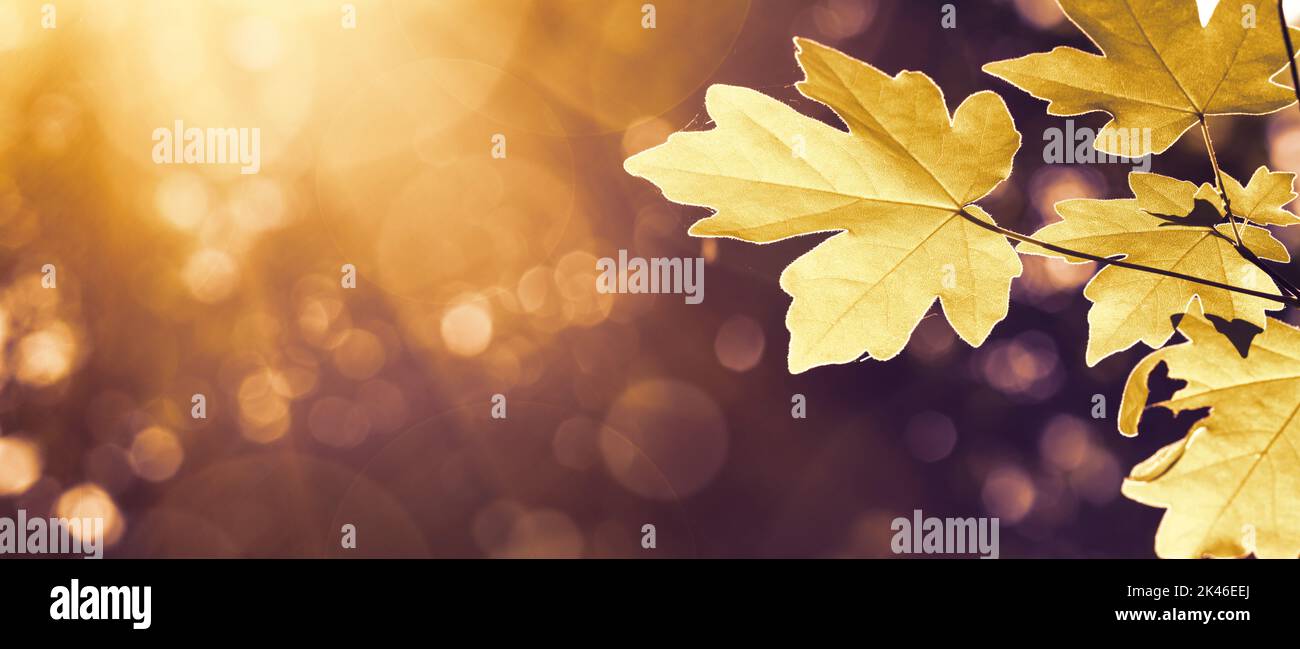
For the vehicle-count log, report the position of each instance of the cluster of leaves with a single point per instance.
(900, 187)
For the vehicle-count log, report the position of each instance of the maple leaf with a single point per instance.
(1230, 484)
(1160, 69)
(1163, 227)
(895, 185)
(1264, 198)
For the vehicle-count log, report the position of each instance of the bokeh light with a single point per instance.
(20, 465)
(664, 439)
(89, 501)
(467, 329)
(739, 344)
(156, 454)
(930, 436)
(1009, 494)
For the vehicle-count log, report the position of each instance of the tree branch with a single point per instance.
(1107, 261)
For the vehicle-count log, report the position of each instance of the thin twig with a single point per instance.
(1282, 283)
(1290, 51)
(1107, 261)
(1295, 87)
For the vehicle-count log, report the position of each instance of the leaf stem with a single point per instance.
(1107, 261)
(1218, 182)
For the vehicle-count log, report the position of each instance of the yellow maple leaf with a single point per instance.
(1169, 225)
(1160, 69)
(1230, 485)
(896, 185)
(1264, 198)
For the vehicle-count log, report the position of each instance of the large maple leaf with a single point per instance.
(1160, 69)
(1170, 225)
(898, 185)
(1230, 485)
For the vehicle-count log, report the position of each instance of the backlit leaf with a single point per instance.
(1230, 485)
(894, 187)
(1158, 229)
(1159, 68)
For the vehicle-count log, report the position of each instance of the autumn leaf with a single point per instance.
(1160, 228)
(1263, 199)
(1159, 68)
(895, 186)
(1230, 485)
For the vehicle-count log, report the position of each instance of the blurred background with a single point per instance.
(370, 406)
